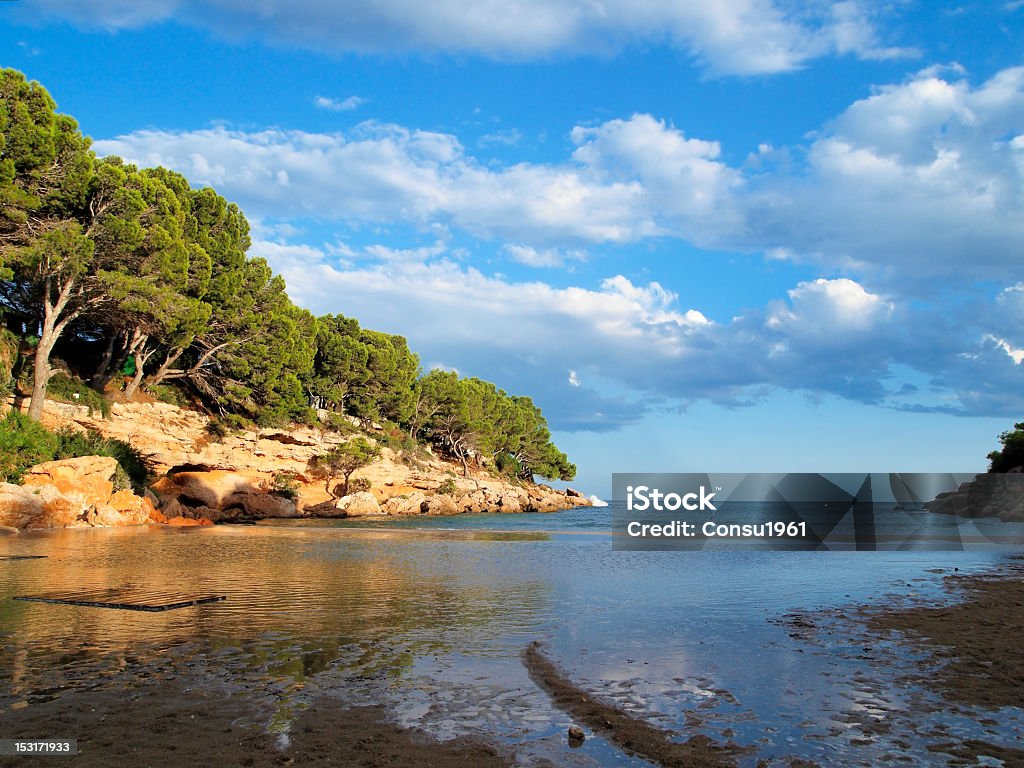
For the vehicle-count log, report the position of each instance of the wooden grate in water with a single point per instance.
(126, 600)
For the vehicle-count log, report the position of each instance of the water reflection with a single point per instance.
(433, 622)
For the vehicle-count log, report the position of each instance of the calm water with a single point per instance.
(430, 616)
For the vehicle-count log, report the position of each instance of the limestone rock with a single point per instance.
(18, 506)
(358, 505)
(88, 476)
(188, 521)
(411, 504)
(440, 504)
(220, 495)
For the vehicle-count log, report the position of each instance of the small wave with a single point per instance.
(596, 502)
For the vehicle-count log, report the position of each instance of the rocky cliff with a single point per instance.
(988, 495)
(265, 473)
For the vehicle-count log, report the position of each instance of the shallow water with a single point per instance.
(431, 616)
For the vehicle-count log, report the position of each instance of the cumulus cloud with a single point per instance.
(918, 181)
(824, 337)
(546, 257)
(739, 37)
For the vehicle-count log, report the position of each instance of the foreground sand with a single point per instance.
(171, 727)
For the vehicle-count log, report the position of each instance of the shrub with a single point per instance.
(220, 427)
(70, 390)
(168, 393)
(1011, 455)
(24, 442)
(133, 471)
(285, 484)
(359, 484)
(447, 487)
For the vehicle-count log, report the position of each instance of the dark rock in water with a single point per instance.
(576, 736)
(988, 495)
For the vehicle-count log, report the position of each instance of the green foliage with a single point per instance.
(71, 390)
(341, 461)
(364, 373)
(1011, 455)
(220, 427)
(157, 272)
(170, 394)
(359, 485)
(72, 443)
(286, 484)
(447, 487)
(24, 442)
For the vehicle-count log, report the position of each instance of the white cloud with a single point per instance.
(507, 137)
(546, 257)
(919, 180)
(902, 186)
(336, 105)
(741, 37)
(829, 309)
(825, 336)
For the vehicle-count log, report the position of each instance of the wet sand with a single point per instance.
(630, 733)
(169, 726)
(974, 654)
(978, 641)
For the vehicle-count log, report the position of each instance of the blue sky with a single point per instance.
(750, 235)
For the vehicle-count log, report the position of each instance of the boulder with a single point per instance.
(358, 505)
(59, 511)
(90, 477)
(440, 504)
(220, 494)
(411, 504)
(209, 489)
(389, 491)
(18, 506)
(508, 503)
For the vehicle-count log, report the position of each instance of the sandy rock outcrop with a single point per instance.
(232, 476)
(220, 495)
(409, 504)
(72, 493)
(91, 477)
(439, 504)
(359, 504)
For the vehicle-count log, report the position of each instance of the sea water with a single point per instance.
(430, 616)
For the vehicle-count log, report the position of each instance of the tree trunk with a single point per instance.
(51, 331)
(41, 372)
(100, 378)
(164, 369)
(141, 358)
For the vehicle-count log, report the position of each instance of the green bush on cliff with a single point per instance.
(24, 442)
(72, 443)
(69, 390)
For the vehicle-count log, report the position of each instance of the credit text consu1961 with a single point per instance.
(642, 498)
